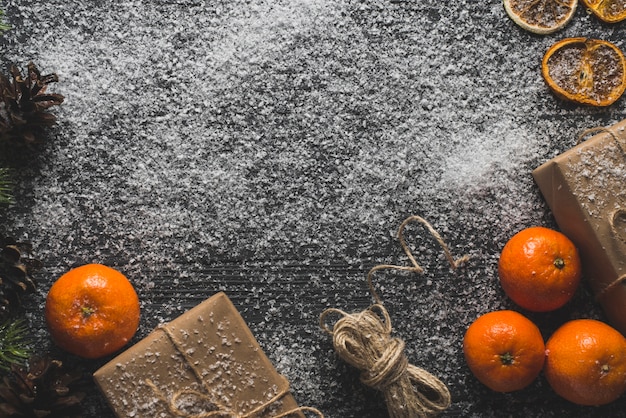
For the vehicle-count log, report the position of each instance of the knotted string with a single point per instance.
(209, 402)
(364, 341)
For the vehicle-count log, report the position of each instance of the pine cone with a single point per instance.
(44, 390)
(24, 115)
(15, 280)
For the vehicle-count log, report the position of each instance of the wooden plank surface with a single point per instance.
(272, 149)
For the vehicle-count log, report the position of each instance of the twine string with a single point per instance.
(590, 131)
(209, 402)
(415, 267)
(364, 341)
(620, 279)
(599, 129)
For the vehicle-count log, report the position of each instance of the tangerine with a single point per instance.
(586, 362)
(92, 311)
(504, 350)
(610, 11)
(585, 71)
(541, 16)
(539, 269)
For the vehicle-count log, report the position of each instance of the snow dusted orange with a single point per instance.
(92, 311)
(586, 362)
(504, 350)
(539, 269)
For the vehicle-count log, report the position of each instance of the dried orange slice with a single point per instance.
(541, 16)
(586, 71)
(610, 11)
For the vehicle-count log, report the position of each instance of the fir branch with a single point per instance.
(5, 186)
(13, 344)
(3, 26)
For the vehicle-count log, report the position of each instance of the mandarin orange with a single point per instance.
(92, 311)
(586, 362)
(504, 350)
(539, 269)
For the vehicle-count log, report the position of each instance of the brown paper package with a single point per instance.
(223, 351)
(585, 189)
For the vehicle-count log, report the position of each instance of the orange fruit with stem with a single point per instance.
(92, 311)
(539, 269)
(541, 16)
(610, 11)
(586, 362)
(585, 71)
(504, 350)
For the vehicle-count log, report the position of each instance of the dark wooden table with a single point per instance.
(270, 149)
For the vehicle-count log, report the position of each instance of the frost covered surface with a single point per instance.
(271, 149)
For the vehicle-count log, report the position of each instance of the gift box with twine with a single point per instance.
(204, 363)
(585, 189)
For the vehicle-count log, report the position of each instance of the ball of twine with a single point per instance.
(364, 341)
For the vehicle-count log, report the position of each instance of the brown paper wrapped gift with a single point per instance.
(585, 188)
(205, 360)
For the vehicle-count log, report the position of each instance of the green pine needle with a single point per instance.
(13, 344)
(3, 26)
(5, 186)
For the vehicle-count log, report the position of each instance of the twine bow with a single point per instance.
(364, 341)
(204, 400)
